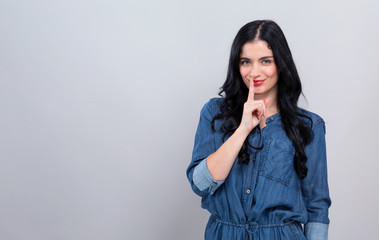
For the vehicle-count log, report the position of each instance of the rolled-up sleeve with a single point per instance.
(316, 231)
(201, 181)
(315, 186)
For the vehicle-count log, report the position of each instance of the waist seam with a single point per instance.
(222, 221)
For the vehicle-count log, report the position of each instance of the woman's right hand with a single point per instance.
(220, 162)
(253, 111)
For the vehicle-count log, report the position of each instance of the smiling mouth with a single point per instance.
(258, 82)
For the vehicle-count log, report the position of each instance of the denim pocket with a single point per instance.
(278, 162)
(297, 231)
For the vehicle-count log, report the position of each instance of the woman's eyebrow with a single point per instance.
(265, 57)
(262, 58)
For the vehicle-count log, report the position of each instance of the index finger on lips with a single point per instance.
(251, 90)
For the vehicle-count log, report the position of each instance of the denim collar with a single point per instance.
(273, 117)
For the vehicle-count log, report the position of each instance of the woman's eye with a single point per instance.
(244, 62)
(266, 61)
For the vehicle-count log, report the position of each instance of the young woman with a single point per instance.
(259, 161)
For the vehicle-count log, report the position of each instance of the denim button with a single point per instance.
(248, 191)
(251, 227)
(272, 118)
(258, 131)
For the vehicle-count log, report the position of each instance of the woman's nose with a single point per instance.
(254, 72)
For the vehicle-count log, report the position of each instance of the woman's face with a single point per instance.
(257, 65)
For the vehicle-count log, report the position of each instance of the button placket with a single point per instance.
(249, 189)
(247, 185)
(250, 178)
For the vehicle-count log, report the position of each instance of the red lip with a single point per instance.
(258, 82)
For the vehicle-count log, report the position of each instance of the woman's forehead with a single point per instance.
(256, 48)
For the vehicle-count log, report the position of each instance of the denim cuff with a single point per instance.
(316, 231)
(203, 179)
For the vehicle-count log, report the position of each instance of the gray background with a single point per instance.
(100, 100)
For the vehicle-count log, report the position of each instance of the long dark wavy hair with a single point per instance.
(235, 92)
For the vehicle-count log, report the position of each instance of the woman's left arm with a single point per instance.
(315, 186)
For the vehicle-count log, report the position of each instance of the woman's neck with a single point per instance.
(271, 109)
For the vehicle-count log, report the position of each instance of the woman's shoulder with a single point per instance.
(311, 118)
(213, 106)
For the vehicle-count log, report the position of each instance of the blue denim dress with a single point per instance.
(264, 199)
